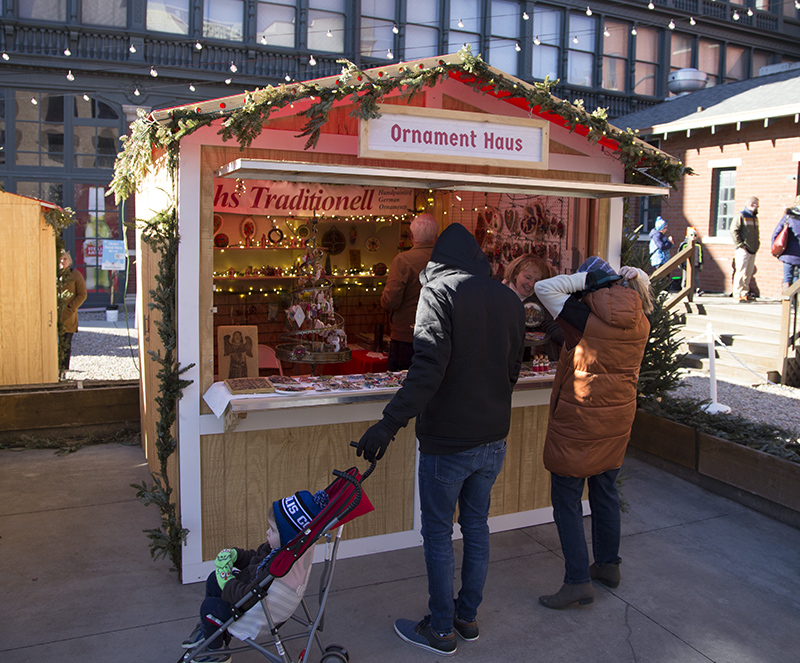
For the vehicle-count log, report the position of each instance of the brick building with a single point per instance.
(741, 140)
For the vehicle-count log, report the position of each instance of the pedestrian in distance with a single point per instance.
(592, 407)
(746, 242)
(401, 292)
(72, 295)
(660, 244)
(468, 343)
(791, 254)
(696, 258)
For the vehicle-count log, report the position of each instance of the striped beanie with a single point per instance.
(294, 513)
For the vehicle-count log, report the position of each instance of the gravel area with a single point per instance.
(110, 353)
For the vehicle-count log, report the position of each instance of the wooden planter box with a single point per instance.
(760, 473)
(735, 465)
(665, 439)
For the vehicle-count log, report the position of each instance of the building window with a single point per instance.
(708, 60)
(760, 59)
(465, 25)
(48, 10)
(2, 130)
(377, 21)
(326, 25)
(105, 12)
(645, 74)
(96, 219)
(223, 19)
(168, 16)
(724, 181)
(39, 129)
(680, 56)
(615, 56)
(580, 60)
(649, 211)
(547, 32)
(505, 33)
(421, 29)
(276, 23)
(51, 192)
(735, 63)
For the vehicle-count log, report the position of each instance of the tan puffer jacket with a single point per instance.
(594, 395)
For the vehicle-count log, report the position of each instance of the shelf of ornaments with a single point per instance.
(294, 276)
(260, 248)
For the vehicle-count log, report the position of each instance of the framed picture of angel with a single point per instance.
(237, 350)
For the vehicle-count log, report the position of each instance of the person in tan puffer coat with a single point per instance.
(592, 407)
(73, 294)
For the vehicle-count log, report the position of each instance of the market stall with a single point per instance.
(519, 177)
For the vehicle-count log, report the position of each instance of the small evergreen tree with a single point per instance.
(662, 357)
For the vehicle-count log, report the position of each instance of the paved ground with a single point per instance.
(704, 579)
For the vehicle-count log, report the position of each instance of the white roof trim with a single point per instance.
(396, 177)
(705, 119)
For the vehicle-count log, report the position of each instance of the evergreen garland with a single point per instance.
(161, 234)
(643, 163)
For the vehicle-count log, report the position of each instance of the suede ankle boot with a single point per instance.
(608, 573)
(569, 595)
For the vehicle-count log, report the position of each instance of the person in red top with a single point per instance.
(401, 292)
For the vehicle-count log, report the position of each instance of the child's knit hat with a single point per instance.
(594, 263)
(660, 223)
(296, 512)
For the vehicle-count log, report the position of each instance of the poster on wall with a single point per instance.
(113, 254)
(237, 350)
(308, 200)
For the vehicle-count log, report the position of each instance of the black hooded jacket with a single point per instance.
(468, 341)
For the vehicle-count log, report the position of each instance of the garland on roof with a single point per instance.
(643, 163)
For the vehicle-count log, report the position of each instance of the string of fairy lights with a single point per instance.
(610, 26)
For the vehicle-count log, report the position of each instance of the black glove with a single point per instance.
(375, 440)
(597, 279)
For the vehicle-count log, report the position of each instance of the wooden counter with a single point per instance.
(285, 444)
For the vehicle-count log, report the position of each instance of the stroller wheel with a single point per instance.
(334, 657)
(337, 649)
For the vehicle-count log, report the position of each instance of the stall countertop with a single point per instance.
(218, 398)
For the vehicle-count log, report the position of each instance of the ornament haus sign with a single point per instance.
(417, 134)
(308, 199)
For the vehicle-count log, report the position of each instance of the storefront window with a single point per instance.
(615, 55)
(645, 75)
(421, 29)
(724, 199)
(276, 22)
(105, 12)
(546, 43)
(582, 37)
(505, 31)
(223, 19)
(326, 25)
(48, 10)
(168, 16)
(51, 192)
(708, 60)
(377, 21)
(96, 219)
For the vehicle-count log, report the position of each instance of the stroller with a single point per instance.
(346, 502)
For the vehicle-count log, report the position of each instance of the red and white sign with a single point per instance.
(304, 199)
(417, 134)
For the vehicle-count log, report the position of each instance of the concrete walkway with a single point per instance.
(704, 579)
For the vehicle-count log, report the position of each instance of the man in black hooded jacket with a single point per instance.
(468, 342)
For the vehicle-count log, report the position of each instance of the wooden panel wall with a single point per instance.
(243, 473)
(29, 324)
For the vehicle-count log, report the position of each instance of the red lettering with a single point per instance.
(395, 132)
(518, 145)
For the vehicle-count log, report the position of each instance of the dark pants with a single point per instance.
(565, 494)
(400, 354)
(214, 612)
(66, 345)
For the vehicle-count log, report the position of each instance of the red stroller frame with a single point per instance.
(345, 495)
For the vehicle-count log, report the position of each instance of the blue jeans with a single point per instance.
(465, 478)
(214, 612)
(789, 273)
(565, 494)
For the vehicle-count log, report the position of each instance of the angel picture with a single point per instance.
(237, 348)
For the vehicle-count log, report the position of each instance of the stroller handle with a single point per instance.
(372, 465)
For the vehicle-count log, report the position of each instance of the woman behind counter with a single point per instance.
(73, 294)
(521, 276)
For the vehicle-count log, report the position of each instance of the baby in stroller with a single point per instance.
(238, 571)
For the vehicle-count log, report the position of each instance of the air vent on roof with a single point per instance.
(684, 81)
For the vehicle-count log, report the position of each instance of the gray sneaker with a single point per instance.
(195, 637)
(209, 656)
(466, 630)
(422, 635)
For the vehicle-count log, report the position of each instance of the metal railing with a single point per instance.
(787, 357)
(685, 258)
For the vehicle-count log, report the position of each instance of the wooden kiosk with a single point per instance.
(467, 155)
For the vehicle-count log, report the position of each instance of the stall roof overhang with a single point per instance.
(283, 171)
